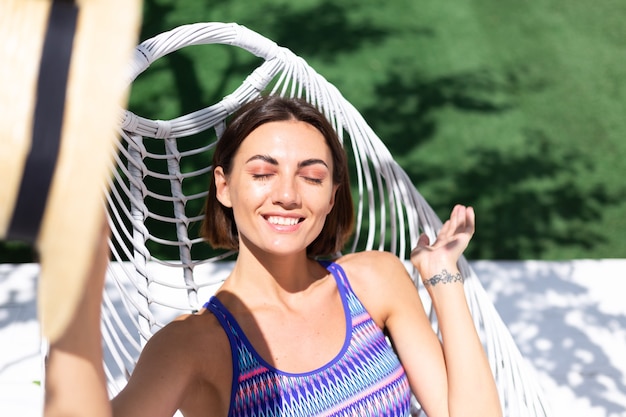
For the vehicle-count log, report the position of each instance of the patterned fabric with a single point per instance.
(364, 379)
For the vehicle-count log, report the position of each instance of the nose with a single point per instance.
(286, 192)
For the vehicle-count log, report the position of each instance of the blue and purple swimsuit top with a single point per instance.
(364, 379)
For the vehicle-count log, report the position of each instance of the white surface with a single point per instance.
(20, 361)
(568, 319)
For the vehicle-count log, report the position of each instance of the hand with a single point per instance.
(451, 241)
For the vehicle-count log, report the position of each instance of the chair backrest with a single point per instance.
(160, 184)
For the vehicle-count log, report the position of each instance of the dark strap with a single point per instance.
(47, 122)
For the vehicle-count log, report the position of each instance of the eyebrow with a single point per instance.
(273, 161)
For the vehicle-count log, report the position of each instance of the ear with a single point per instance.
(222, 191)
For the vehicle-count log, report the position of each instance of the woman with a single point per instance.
(287, 334)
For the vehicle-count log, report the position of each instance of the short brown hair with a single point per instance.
(219, 227)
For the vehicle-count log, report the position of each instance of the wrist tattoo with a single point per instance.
(445, 278)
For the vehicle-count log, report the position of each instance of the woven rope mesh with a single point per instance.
(161, 177)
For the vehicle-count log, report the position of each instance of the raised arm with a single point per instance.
(75, 380)
(75, 383)
(449, 379)
(471, 389)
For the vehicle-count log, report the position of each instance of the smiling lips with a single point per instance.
(283, 221)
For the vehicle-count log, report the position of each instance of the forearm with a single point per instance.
(75, 382)
(471, 387)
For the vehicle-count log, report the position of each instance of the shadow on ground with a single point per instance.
(552, 317)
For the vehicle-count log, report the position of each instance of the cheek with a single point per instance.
(325, 202)
(251, 194)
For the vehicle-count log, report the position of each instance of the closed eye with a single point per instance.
(261, 177)
(317, 181)
(314, 172)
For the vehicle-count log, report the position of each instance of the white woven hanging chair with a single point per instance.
(144, 292)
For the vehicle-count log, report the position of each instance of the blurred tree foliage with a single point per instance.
(514, 108)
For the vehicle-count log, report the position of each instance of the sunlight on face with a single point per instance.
(280, 187)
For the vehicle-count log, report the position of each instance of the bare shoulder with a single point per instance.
(373, 267)
(186, 365)
(189, 328)
(377, 278)
(192, 335)
(191, 347)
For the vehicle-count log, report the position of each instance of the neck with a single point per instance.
(273, 277)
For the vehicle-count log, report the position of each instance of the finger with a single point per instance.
(423, 240)
(450, 225)
(471, 220)
(445, 228)
(453, 222)
(460, 217)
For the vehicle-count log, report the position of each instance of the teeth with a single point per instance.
(283, 221)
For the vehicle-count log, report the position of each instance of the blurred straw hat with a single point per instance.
(63, 81)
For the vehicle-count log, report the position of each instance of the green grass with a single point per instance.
(517, 108)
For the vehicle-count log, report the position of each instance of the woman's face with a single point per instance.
(280, 187)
